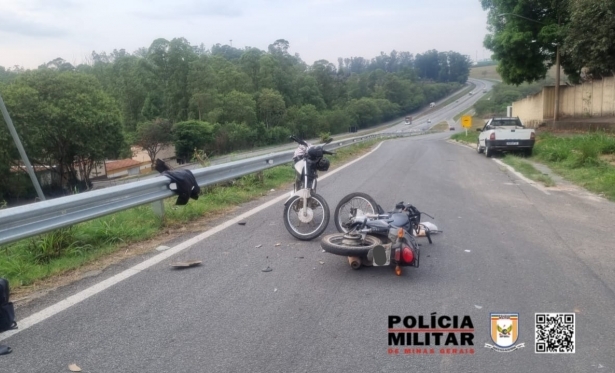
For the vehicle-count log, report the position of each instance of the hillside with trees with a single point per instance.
(220, 100)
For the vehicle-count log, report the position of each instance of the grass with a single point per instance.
(581, 159)
(528, 170)
(440, 127)
(472, 136)
(32, 260)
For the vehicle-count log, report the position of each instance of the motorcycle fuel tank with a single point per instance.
(399, 220)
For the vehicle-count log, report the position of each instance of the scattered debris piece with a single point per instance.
(467, 251)
(268, 269)
(274, 290)
(299, 257)
(321, 262)
(190, 263)
(74, 368)
(278, 244)
(162, 248)
(242, 223)
(272, 190)
(257, 246)
(323, 251)
(477, 306)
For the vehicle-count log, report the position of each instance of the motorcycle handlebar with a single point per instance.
(298, 140)
(327, 152)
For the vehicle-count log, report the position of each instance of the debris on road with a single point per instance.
(74, 368)
(257, 246)
(162, 248)
(321, 262)
(186, 264)
(477, 306)
(299, 257)
(278, 244)
(274, 290)
(268, 269)
(467, 251)
(242, 223)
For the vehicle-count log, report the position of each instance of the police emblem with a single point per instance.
(504, 332)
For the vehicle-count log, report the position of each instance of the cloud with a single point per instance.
(192, 9)
(12, 25)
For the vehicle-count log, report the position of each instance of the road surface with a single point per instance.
(507, 246)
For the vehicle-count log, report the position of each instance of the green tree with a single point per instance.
(590, 35)
(238, 107)
(190, 136)
(66, 121)
(365, 111)
(271, 107)
(524, 35)
(154, 136)
(305, 121)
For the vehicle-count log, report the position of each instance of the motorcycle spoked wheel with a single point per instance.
(345, 244)
(346, 209)
(311, 224)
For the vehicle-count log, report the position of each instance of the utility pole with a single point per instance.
(22, 151)
(557, 67)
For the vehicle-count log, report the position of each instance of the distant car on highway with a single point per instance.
(451, 127)
(428, 120)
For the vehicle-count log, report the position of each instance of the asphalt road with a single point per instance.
(507, 246)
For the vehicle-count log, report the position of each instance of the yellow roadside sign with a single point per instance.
(466, 121)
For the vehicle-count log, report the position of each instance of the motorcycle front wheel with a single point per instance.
(309, 223)
(341, 244)
(347, 207)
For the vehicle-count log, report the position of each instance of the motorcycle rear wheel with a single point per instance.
(358, 200)
(332, 243)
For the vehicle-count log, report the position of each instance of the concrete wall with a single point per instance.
(590, 99)
(529, 110)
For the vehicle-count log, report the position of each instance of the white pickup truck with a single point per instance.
(505, 134)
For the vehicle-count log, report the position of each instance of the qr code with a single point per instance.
(555, 333)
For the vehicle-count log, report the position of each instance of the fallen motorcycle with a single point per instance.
(380, 239)
(306, 214)
(363, 203)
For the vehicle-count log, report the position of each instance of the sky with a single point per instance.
(33, 32)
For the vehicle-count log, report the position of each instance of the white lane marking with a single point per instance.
(95, 289)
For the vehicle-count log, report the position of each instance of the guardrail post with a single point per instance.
(158, 207)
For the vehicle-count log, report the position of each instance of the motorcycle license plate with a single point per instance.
(512, 143)
(383, 258)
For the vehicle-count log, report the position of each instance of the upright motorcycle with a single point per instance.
(306, 214)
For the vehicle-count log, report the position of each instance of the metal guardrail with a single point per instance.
(30, 220)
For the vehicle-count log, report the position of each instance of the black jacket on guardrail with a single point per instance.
(187, 186)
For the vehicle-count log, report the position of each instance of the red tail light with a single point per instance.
(407, 254)
(492, 136)
(533, 136)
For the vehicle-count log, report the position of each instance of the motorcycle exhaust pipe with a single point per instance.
(354, 261)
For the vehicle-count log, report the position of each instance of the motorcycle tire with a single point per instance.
(362, 200)
(301, 230)
(332, 243)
